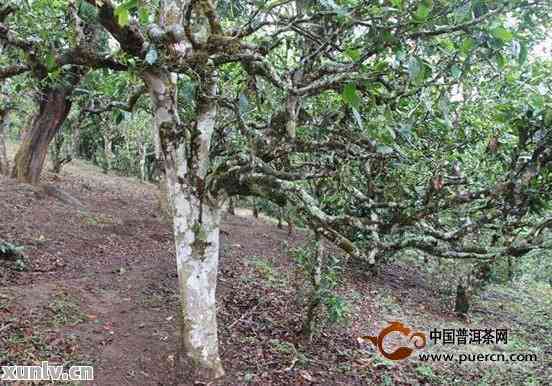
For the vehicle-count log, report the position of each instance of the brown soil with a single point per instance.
(100, 288)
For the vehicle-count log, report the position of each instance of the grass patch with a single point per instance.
(65, 310)
(268, 272)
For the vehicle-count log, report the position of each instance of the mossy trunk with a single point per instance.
(197, 229)
(54, 105)
(196, 222)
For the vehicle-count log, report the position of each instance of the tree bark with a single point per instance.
(4, 124)
(54, 105)
(197, 238)
(196, 220)
(164, 200)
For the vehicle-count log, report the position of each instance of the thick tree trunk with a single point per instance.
(4, 124)
(197, 239)
(196, 219)
(54, 105)
(163, 198)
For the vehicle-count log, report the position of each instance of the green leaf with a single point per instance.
(500, 61)
(50, 61)
(118, 117)
(548, 117)
(388, 37)
(447, 44)
(143, 15)
(537, 103)
(523, 52)
(396, 3)
(151, 55)
(352, 53)
(381, 66)
(122, 14)
(502, 34)
(350, 95)
(423, 10)
(131, 4)
(467, 45)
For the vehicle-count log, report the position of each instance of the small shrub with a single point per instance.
(13, 254)
(9, 251)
